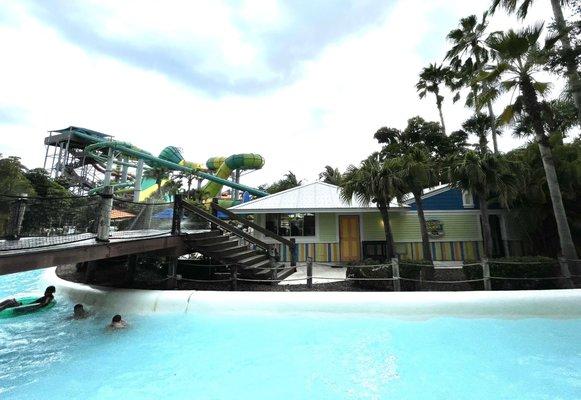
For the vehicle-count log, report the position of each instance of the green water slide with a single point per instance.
(171, 158)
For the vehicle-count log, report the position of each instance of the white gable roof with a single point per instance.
(312, 197)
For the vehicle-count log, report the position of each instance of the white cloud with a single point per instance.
(326, 116)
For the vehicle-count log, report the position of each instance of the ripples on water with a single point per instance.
(47, 356)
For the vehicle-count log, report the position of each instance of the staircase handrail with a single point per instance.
(226, 226)
(252, 225)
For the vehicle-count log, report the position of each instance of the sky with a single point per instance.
(303, 83)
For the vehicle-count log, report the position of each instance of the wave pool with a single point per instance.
(207, 354)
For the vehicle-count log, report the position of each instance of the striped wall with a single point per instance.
(320, 252)
(441, 251)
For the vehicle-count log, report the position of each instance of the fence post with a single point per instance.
(177, 214)
(16, 217)
(310, 272)
(293, 252)
(234, 277)
(213, 211)
(566, 273)
(105, 214)
(395, 270)
(486, 274)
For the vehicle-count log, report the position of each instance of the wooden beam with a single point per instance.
(31, 260)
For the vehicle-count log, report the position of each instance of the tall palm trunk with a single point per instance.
(533, 108)
(439, 104)
(485, 220)
(492, 126)
(570, 62)
(490, 114)
(427, 253)
(389, 245)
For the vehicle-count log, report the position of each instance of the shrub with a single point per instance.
(527, 267)
(384, 271)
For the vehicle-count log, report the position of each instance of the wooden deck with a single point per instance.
(20, 256)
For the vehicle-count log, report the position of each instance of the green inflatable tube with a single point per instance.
(27, 307)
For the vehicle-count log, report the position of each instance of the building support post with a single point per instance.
(234, 277)
(566, 273)
(172, 281)
(395, 271)
(16, 217)
(109, 169)
(486, 274)
(293, 252)
(124, 169)
(137, 185)
(105, 214)
(131, 269)
(91, 271)
(310, 272)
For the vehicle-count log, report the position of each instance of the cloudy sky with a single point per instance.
(304, 83)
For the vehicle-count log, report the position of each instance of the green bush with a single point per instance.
(528, 267)
(378, 271)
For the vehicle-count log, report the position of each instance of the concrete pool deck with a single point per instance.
(563, 303)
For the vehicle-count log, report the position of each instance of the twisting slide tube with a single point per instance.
(172, 159)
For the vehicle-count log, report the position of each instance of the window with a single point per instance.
(467, 200)
(300, 224)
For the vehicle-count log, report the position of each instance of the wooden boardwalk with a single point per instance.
(42, 252)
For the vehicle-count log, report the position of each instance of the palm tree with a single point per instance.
(416, 171)
(431, 78)
(373, 181)
(331, 175)
(479, 125)
(159, 174)
(522, 7)
(467, 57)
(288, 181)
(519, 58)
(487, 176)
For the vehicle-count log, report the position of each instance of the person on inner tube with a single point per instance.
(41, 301)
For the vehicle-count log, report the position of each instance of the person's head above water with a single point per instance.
(50, 290)
(79, 311)
(117, 322)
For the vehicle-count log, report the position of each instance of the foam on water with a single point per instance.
(290, 356)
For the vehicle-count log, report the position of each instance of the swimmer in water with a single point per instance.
(79, 312)
(43, 301)
(117, 323)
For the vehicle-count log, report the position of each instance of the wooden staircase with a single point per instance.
(234, 248)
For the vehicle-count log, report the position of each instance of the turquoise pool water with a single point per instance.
(310, 356)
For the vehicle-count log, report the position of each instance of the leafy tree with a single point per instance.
(569, 55)
(331, 175)
(519, 57)
(289, 181)
(159, 174)
(479, 125)
(468, 56)
(13, 182)
(419, 132)
(489, 177)
(416, 170)
(532, 207)
(373, 182)
(431, 78)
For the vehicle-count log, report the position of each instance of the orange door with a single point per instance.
(349, 241)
